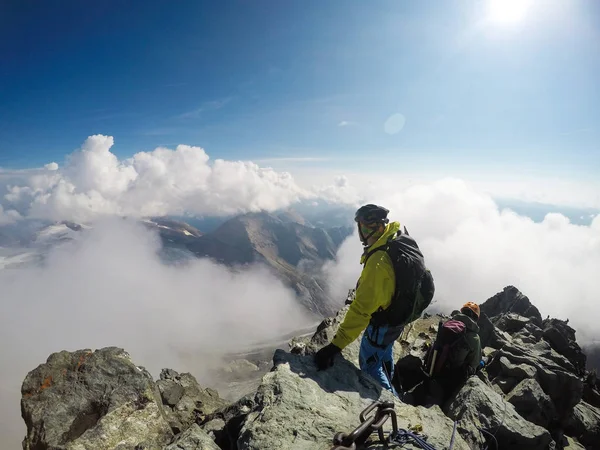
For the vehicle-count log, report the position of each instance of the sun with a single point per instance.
(508, 11)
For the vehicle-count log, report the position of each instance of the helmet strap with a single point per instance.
(365, 239)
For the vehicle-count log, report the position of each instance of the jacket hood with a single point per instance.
(469, 323)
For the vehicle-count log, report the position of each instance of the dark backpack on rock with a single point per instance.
(441, 355)
(414, 282)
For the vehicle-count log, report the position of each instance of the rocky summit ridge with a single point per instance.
(534, 393)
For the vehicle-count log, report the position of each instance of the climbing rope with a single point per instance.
(493, 436)
(402, 437)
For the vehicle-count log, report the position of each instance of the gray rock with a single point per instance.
(564, 388)
(505, 384)
(477, 405)
(517, 371)
(171, 392)
(533, 330)
(591, 394)
(239, 369)
(185, 402)
(584, 424)
(562, 339)
(489, 335)
(298, 407)
(511, 300)
(532, 403)
(511, 323)
(225, 424)
(573, 444)
(83, 400)
(194, 438)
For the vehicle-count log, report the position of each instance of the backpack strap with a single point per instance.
(381, 248)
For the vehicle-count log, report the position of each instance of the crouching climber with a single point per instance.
(393, 290)
(454, 357)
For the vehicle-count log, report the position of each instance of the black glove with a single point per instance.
(324, 357)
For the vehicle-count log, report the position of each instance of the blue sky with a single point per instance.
(264, 80)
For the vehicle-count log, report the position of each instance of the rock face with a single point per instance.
(562, 339)
(531, 402)
(299, 407)
(184, 401)
(532, 394)
(83, 400)
(194, 438)
(511, 300)
(281, 245)
(584, 424)
(479, 406)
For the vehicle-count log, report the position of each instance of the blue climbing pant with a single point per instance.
(376, 354)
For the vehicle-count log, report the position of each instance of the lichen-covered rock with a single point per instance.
(298, 407)
(194, 438)
(185, 402)
(477, 406)
(85, 400)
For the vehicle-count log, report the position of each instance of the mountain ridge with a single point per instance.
(282, 246)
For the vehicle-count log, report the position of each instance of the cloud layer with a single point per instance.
(109, 288)
(94, 182)
(474, 250)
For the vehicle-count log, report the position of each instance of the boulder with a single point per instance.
(504, 384)
(511, 323)
(194, 438)
(572, 444)
(562, 339)
(564, 388)
(511, 300)
(299, 407)
(489, 335)
(517, 371)
(532, 403)
(224, 424)
(83, 400)
(183, 399)
(478, 406)
(584, 424)
(591, 393)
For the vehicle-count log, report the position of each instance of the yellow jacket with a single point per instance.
(375, 289)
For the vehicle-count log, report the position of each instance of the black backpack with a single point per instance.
(414, 282)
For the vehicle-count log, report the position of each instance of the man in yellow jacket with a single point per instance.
(374, 292)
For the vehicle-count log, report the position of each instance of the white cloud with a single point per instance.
(8, 217)
(341, 181)
(474, 250)
(346, 123)
(95, 182)
(111, 289)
